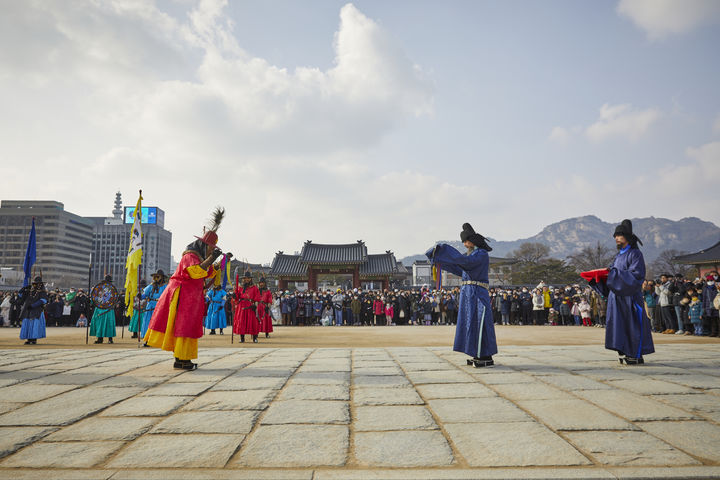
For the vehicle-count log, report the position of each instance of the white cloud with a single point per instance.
(660, 18)
(716, 125)
(560, 135)
(622, 121)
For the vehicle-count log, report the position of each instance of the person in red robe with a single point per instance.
(264, 308)
(177, 322)
(247, 297)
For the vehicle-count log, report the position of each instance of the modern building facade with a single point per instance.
(64, 241)
(499, 273)
(111, 240)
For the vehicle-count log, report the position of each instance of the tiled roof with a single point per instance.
(288, 266)
(347, 254)
(709, 255)
(382, 264)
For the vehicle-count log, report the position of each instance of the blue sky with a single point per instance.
(392, 122)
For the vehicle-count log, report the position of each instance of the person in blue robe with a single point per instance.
(33, 318)
(102, 323)
(215, 317)
(475, 330)
(151, 294)
(627, 328)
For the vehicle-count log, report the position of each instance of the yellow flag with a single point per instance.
(134, 257)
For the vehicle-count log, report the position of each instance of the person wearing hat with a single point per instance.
(215, 317)
(102, 323)
(33, 318)
(475, 330)
(247, 297)
(151, 294)
(263, 310)
(177, 322)
(711, 320)
(627, 328)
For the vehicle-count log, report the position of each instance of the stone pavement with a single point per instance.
(365, 413)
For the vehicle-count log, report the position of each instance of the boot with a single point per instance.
(242, 338)
(267, 335)
(178, 363)
(134, 335)
(632, 360)
(110, 340)
(222, 331)
(99, 340)
(34, 341)
(212, 332)
(483, 362)
(187, 365)
(28, 342)
(255, 338)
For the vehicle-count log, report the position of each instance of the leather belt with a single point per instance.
(484, 285)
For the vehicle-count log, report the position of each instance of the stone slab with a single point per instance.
(649, 386)
(212, 474)
(421, 366)
(103, 428)
(148, 406)
(179, 389)
(402, 449)
(381, 396)
(512, 444)
(628, 448)
(250, 383)
(700, 439)
(67, 407)
(524, 473)
(307, 411)
(301, 446)
(572, 382)
(700, 402)
(573, 414)
(62, 455)
(389, 381)
(530, 391)
(178, 451)
(632, 406)
(455, 390)
(377, 371)
(473, 410)
(321, 378)
(439, 376)
(315, 392)
(213, 421)
(231, 400)
(381, 418)
(14, 438)
(29, 392)
(201, 375)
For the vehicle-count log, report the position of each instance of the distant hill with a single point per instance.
(568, 236)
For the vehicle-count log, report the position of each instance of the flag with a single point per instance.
(30, 255)
(134, 257)
(225, 272)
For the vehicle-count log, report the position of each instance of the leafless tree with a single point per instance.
(531, 252)
(591, 257)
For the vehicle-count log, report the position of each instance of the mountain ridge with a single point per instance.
(565, 237)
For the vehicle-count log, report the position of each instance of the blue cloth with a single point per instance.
(475, 331)
(627, 327)
(33, 328)
(103, 323)
(30, 255)
(152, 295)
(338, 316)
(215, 317)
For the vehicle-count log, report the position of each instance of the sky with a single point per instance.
(391, 122)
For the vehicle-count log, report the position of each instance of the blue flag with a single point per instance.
(30, 255)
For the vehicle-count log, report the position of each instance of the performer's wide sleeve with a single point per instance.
(600, 287)
(451, 260)
(627, 282)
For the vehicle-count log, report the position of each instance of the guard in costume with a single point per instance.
(177, 322)
(264, 307)
(215, 318)
(151, 294)
(475, 331)
(247, 297)
(33, 318)
(627, 328)
(105, 297)
(138, 308)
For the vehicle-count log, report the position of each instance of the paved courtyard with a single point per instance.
(359, 413)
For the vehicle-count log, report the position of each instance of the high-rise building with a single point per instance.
(111, 240)
(64, 241)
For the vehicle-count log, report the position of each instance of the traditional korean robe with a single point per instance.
(246, 321)
(263, 311)
(216, 309)
(33, 318)
(177, 321)
(627, 327)
(152, 294)
(475, 330)
(102, 323)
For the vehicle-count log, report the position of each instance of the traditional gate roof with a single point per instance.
(344, 254)
(287, 266)
(709, 255)
(382, 264)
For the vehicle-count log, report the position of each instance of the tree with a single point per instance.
(549, 270)
(592, 258)
(664, 263)
(531, 252)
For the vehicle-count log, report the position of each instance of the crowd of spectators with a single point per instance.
(674, 305)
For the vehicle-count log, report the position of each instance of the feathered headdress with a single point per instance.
(210, 230)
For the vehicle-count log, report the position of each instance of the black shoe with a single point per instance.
(267, 335)
(34, 341)
(185, 365)
(178, 364)
(242, 338)
(145, 344)
(221, 332)
(134, 335)
(110, 340)
(483, 362)
(28, 342)
(99, 340)
(632, 360)
(212, 332)
(255, 340)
